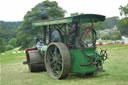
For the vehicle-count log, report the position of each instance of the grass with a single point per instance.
(9, 56)
(13, 72)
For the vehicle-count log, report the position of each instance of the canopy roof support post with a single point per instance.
(44, 33)
(65, 33)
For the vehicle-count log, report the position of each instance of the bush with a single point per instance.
(12, 42)
(116, 36)
(101, 43)
(9, 47)
(111, 36)
(106, 37)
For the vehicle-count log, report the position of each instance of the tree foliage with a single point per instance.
(124, 10)
(9, 47)
(123, 26)
(46, 9)
(12, 42)
(2, 45)
(111, 36)
(74, 14)
(8, 30)
(99, 26)
(111, 22)
(123, 23)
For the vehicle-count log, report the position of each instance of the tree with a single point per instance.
(115, 36)
(123, 26)
(111, 22)
(44, 10)
(107, 24)
(106, 36)
(123, 23)
(9, 47)
(124, 10)
(8, 30)
(2, 45)
(2, 42)
(99, 26)
(12, 42)
(1, 30)
(74, 14)
(111, 36)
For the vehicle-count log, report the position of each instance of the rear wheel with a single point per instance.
(57, 60)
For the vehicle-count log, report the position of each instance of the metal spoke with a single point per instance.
(55, 51)
(59, 62)
(51, 53)
(58, 69)
(54, 69)
(53, 62)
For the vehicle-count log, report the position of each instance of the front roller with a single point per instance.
(57, 60)
(34, 60)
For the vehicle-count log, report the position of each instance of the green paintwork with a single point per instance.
(79, 18)
(78, 58)
(44, 48)
(50, 22)
(43, 51)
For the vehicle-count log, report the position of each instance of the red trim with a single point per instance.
(87, 32)
(108, 44)
(26, 51)
(68, 44)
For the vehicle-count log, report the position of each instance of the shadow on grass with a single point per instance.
(84, 76)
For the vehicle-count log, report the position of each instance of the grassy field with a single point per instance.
(13, 72)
